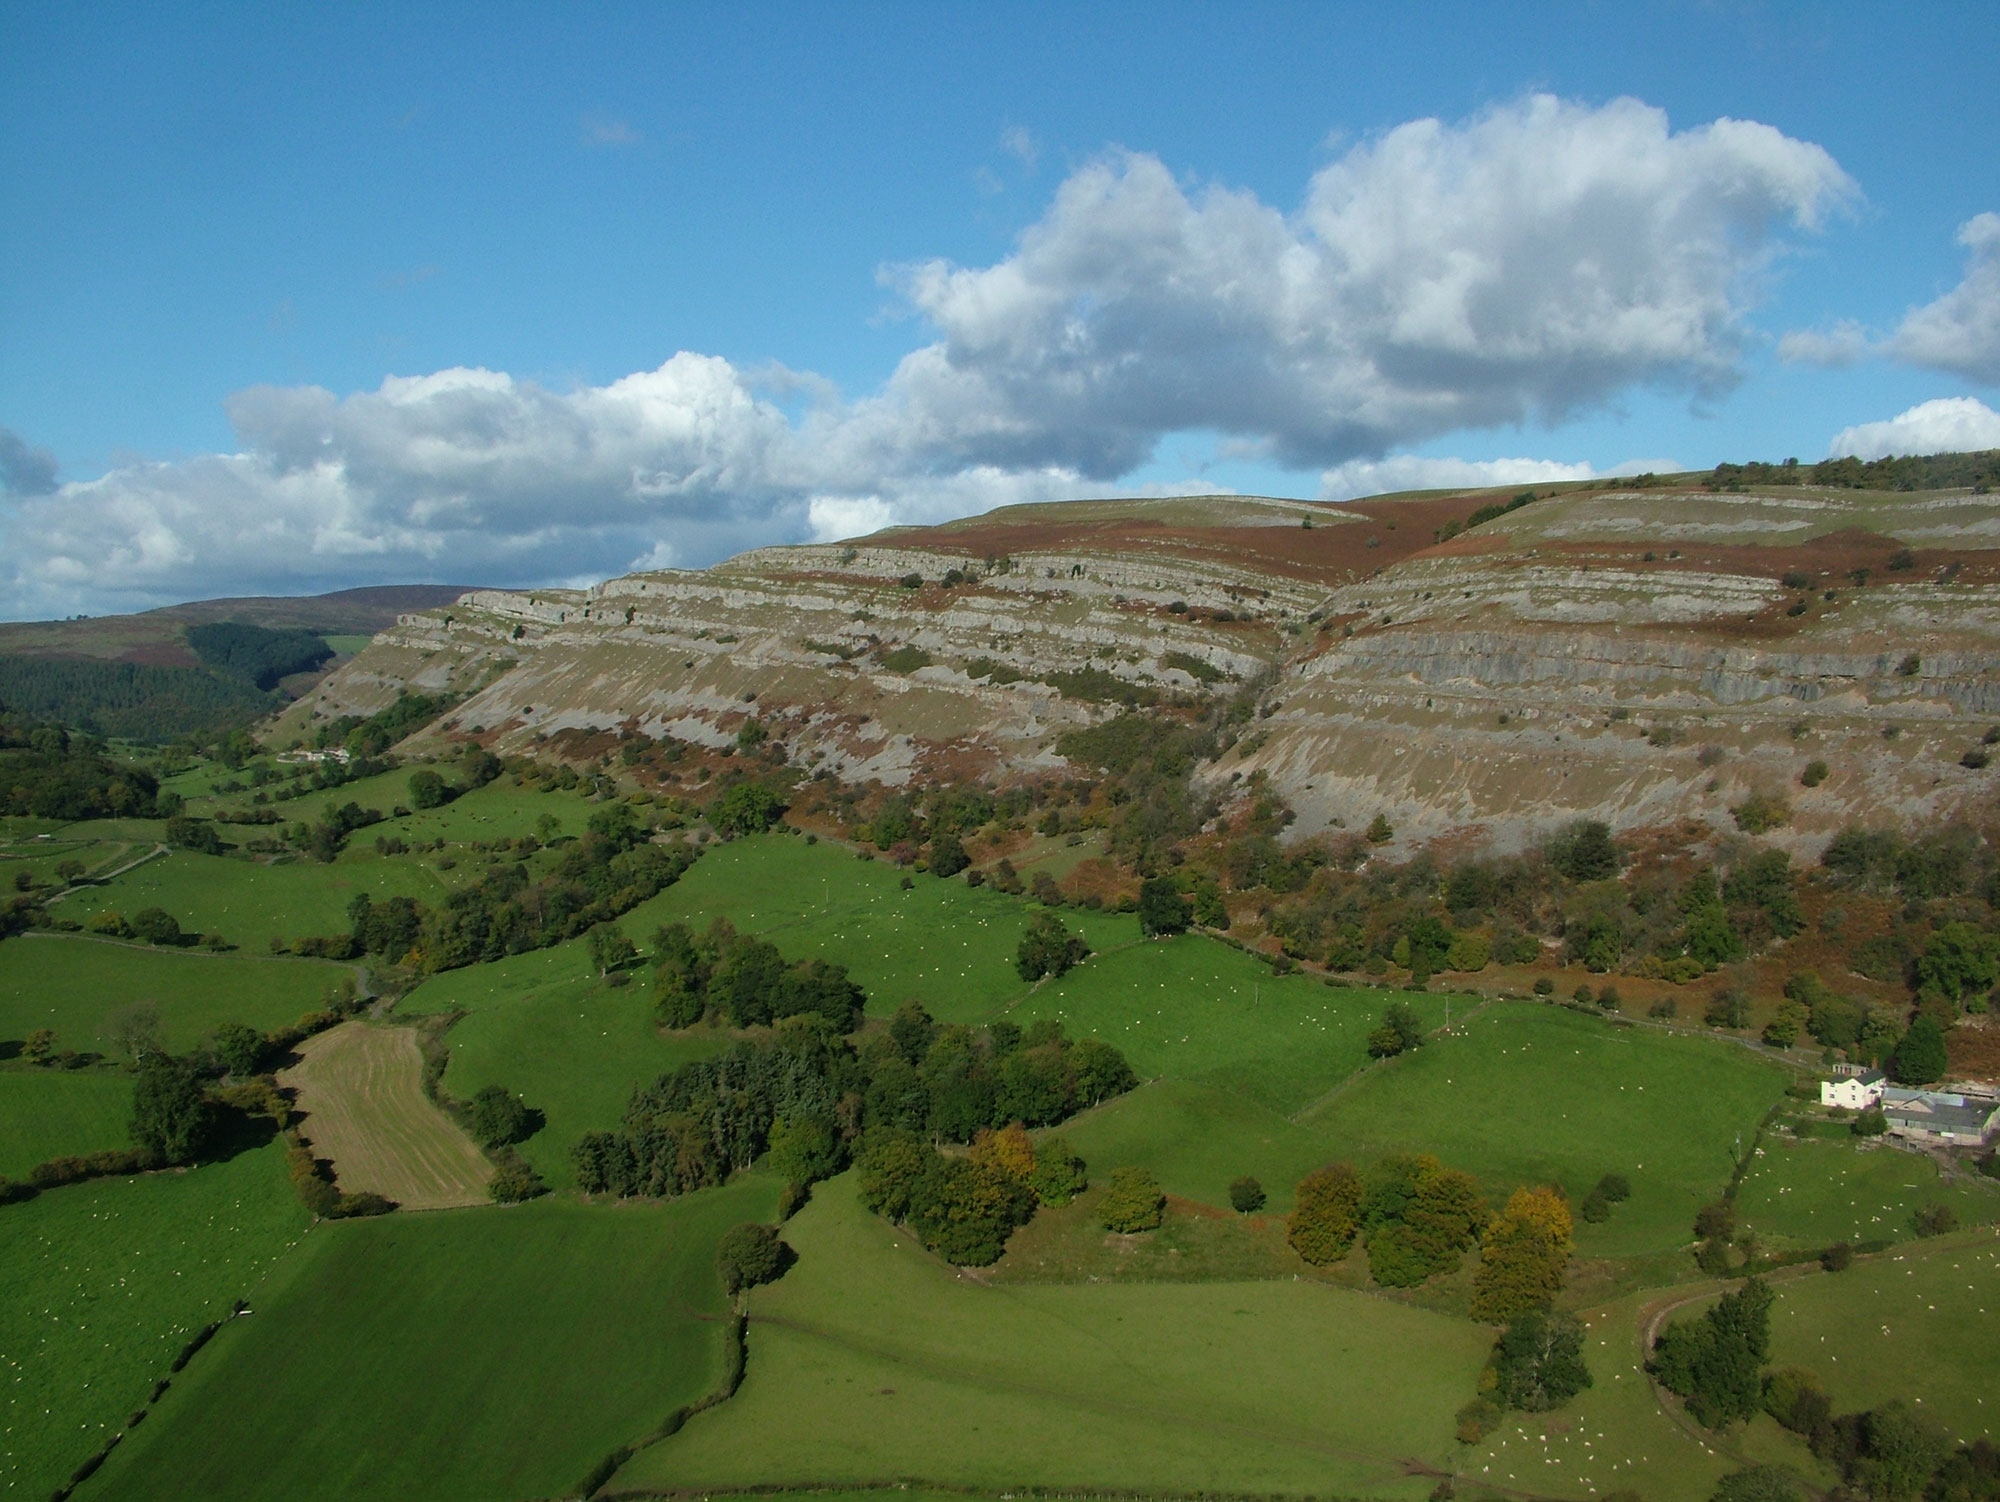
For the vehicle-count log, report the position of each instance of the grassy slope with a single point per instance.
(574, 1050)
(947, 944)
(1612, 1437)
(1919, 1322)
(1812, 1193)
(1196, 1138)
(481, 1354)
(1192, 1008)
(73, 984)
(106, 1281)
(547, 1028)
(53, 1113)
(251, 904)
(1528, 1093)
(873, 1362)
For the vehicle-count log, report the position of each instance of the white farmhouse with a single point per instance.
(1855, 1089)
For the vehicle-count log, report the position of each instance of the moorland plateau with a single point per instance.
(1213, 996)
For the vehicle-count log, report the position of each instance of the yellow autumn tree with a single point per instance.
(1524, 1257)
(1010, 1150)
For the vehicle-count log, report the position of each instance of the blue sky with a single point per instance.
(858, 264)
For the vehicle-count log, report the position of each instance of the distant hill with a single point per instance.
(345, 612)
(141, 676)
(158, 638)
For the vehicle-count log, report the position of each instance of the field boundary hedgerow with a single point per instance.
(187, 1353)
(736, 1357)
(1375, 1065)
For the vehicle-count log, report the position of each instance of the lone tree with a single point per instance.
(1583, 851)
(1524, 1258)
(241, 1048)
(1401, 1030)
(498, 1117)
(1132, 1201)
(156, 926)
(172, 1116)
(1539, 1361)
(610, 949)
(1048, 948)
(1246, 1195)
(948, 856)
(747, 808)
(1326, 1214)
(427, 789)
(750, 1254)
(1060, 1174)
(1162, 909)
(135, 1030)
(1920, 1056)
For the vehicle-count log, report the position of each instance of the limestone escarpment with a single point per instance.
(1641, 656)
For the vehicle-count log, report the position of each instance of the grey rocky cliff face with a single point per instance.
(1489, 693)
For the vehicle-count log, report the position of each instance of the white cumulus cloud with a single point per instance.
(1530, 262)
(1953, 424)
(1537, 259)
(1960, 332)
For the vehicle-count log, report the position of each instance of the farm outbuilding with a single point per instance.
(1940, 1116)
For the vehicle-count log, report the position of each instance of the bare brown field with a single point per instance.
(360, 1089)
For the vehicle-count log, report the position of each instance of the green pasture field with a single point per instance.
(1193, 1008)
(1192, 1245)
(482, 1354)
(251, 904)
(106, 1281)
(574, 1049)
(1921, 1322)
(1614, 1436)
(1196, 1138)
(872, 1363)
(1525, 1093)
(1816, 1192)
(73, 984)
(347, 644)
(948, 945)
(500, 810)
(139, 832)
(59, 1113)
(41, 857)
(382, 791)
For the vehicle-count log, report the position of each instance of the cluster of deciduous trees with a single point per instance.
(1895, 472)
(1537, 1364)
(947, 1081)
(744, 981)
(371, 735)
(965, 1206)
(611, 870)
(1893, 1453)
(46, 773)
(1715, 1361)
(1419, 1216)
(805, 1094)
